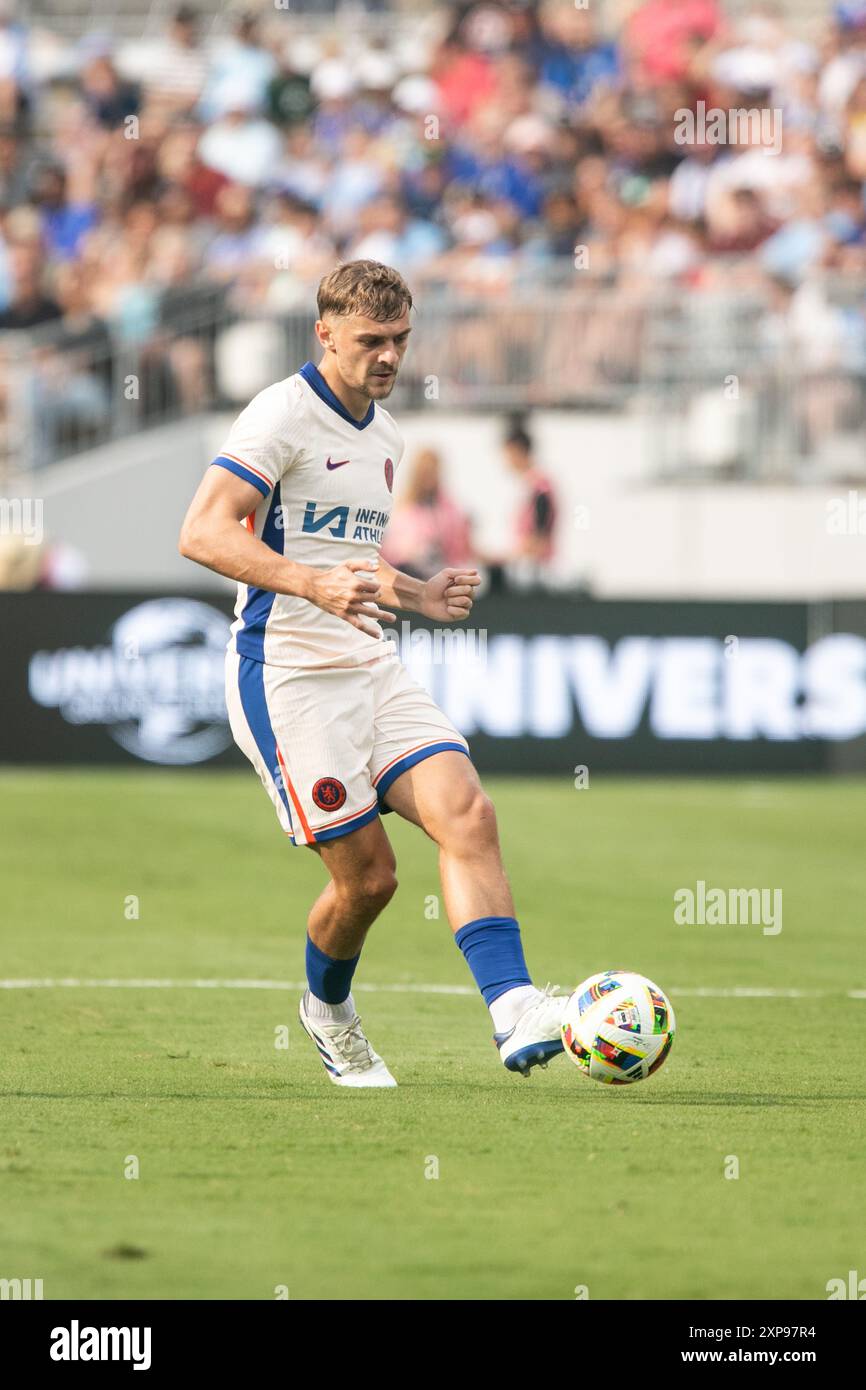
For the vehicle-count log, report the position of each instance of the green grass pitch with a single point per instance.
(256, 1174)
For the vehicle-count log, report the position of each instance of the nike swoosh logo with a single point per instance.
(338, 464)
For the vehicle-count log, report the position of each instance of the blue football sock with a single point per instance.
(494, 954)
(329, 980)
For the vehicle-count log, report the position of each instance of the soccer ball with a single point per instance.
(618, 1027)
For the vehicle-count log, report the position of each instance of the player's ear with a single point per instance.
(324, 334)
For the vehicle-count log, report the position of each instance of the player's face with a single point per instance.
(369, 352)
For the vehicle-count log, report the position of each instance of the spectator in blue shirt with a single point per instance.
(64, 223)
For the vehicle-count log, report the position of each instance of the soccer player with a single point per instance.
(318, 698)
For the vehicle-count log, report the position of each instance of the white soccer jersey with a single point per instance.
(326, 481)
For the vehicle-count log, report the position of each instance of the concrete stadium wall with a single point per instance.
(620, 533)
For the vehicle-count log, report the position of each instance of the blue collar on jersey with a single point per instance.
(313, 377)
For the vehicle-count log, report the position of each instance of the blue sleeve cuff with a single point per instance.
(243, 470)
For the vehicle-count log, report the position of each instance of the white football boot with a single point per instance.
(345, 1053)
(536, 1036)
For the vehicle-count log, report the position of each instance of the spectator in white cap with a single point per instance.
(242, 145)
(334, 86)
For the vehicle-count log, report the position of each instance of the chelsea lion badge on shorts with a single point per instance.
(329, 794)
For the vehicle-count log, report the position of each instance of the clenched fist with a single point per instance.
(448, 596)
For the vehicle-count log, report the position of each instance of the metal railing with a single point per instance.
(732, 384)
(136, 19)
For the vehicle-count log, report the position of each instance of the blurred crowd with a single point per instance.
(491, 151)
(485, 145)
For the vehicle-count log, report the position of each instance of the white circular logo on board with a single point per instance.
(158, 687)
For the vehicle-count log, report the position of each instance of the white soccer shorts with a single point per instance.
(328, 743)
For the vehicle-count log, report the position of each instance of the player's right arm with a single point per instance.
(212, 535)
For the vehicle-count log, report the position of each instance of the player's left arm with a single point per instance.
(447, 597)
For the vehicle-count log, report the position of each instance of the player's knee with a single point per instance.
(474, 823)
(377, 886)
(371, 887)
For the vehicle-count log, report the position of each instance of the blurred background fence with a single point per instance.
(135, 18)
(733, 384)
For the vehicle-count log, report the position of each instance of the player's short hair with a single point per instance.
(364, 287)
